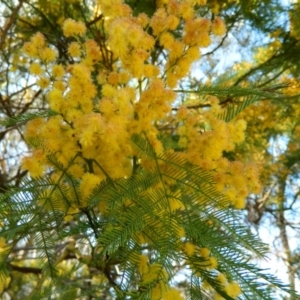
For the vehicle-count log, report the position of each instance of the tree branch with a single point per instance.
(10, 23)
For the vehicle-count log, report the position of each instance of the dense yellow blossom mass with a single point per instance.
(118, 88)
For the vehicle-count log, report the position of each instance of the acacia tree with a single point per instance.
(135, 173)
(273, 125)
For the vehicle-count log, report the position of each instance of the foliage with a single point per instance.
(133, 183)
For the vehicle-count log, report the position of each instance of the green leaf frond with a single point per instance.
(139, 206)
(195, 290)
(270, 92)
(34, 209)
(253, 280)
(127, 217)
(232, 110)
(24, 118)
(35, 142)
(236, 98)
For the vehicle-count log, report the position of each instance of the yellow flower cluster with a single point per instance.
(99, 126)
(36, 48)
(73, 28)
(155, 273)
(232, 289)
(199, 258)
(205, 138)
(118, 86)
(270, 117)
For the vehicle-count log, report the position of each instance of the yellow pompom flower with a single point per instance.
(231, 193)
(124, 77)
(33, 127)
(159, 290)
(155, 270)
(108, 91)
(93, 53)
(35, 69)
(222, 279)
(218, 26)
(173, 8)
(118, 42)
(88, 183)
(239, 202)
(215, 7)
(193, 53)
(102, 77)
(194, 30)
(113, 78)
(182, 113)
(135, 36)
(74, 49)
(159, 21)
(204, 40)
(166, 39)
(172, 80)
(55, 99)
(189, 248)
(60, 85)
(58, 71)
(108, 5)
(209, 263)
(87, 138)
(143, 19)
(172, 22)
(38, 40)
(34, 165)
(73, 28)
(186, 10)
(76, 170)
(143, 264)
(204, 252)
(30, 49)
(233, 289)
(183, 66)
(176, 50)
(43, 82)
(48, 54)
(175, 204)
(213, 263)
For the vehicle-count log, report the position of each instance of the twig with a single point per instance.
(10, 23)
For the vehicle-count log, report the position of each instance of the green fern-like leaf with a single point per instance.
(24, 118)
(127, 217)
(236, 91)
(233, 110)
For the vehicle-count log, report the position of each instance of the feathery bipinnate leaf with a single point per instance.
(236, 98)
(148, 214)
(122, 222)
(137, 218)
(24, 118)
